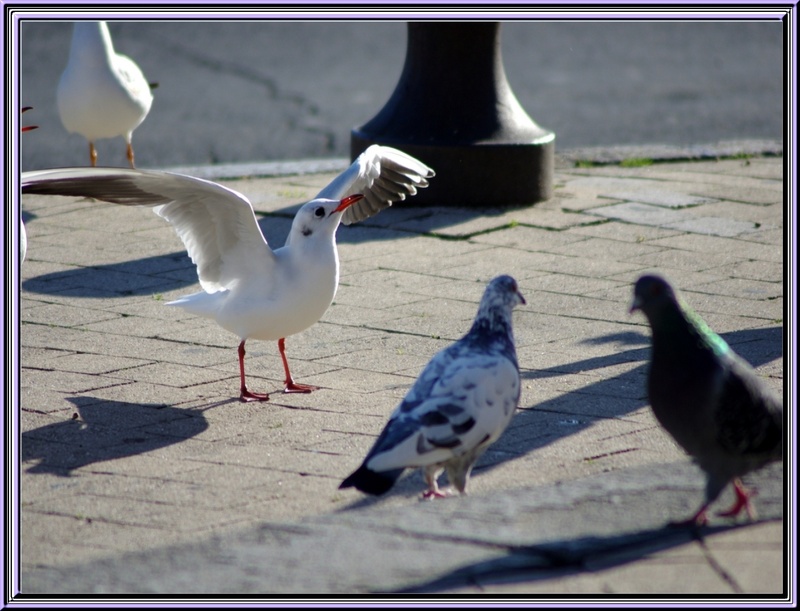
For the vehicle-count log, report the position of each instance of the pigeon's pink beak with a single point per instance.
(348, 201)
(634, 306)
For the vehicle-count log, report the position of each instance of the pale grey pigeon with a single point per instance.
(461, 403)
(707, 397)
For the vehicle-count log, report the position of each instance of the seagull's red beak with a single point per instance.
(348, 201)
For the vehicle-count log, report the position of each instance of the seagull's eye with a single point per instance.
(319, 212)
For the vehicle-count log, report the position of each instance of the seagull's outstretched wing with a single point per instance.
(217, 224)
(384, 175)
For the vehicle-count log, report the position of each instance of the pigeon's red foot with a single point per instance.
(292, 386)
(435, 493)
(247, 396)
(742, 502)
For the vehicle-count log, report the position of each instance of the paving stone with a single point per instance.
(714, 226)
(664, 198)
(640, 214)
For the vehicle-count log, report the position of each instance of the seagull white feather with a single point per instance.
(101, 94)
(23, 235)
(248, 288)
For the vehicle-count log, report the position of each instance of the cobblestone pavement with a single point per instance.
(141, 472)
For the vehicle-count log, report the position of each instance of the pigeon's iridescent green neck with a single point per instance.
(715, 342)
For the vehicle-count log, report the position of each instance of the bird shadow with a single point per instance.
(102, 430)
(408, 220)
(175, 270)
(570, 413)
(609, 397)
(566, 557)
(27, 217)
(145, 276)
(136, 277)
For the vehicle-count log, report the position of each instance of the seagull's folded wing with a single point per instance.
(217, 224)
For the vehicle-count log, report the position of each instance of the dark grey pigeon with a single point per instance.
(707, 397)
(460, 404)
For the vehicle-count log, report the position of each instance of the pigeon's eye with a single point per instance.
(319, 212)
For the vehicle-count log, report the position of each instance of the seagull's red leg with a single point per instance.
(129, 154)
(291, 386)
(742, 501)
(92, 154)
(246, 396)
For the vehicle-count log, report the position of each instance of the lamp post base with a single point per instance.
(454, 110)
(487, 175)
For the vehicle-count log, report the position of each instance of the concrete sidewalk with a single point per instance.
(142, 473)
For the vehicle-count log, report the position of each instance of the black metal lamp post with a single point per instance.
(454, 110)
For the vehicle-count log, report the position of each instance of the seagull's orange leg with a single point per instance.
(129, 154)
(290, 385)
(246, 396)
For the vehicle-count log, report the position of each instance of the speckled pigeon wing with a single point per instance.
(470, 405)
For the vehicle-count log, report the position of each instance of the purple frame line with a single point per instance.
(12, 164)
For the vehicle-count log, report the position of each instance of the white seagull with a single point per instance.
(461, 403)
(101, 94)
(248, 288)
(23, 236)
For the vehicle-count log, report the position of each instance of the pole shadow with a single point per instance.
(567, 557)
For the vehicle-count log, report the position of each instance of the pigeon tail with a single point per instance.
(371, 482)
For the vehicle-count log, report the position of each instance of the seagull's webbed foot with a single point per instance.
(290, 386)
(294, 387)
(247, 396)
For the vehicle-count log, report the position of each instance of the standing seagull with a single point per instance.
(23, 235)
(707, 397)
(249, 289)
(101, 94)
(460, 404)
